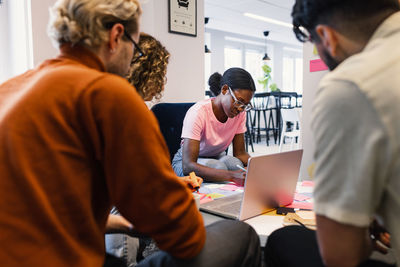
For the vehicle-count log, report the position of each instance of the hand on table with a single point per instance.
(380, 238)
(117, 223)
(193, 181)
(238, 177)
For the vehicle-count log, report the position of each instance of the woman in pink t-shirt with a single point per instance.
(211, 125)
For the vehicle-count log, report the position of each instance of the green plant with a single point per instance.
(274, 88)
(267, 76)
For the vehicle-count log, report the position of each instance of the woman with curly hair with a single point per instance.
(148, 72)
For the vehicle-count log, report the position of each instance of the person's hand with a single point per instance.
(238, 177)
(193, 184)
(380, 238)
(117, 223)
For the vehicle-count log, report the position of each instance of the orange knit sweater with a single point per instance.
(75, 140)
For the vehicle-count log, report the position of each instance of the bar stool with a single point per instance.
(263, 103)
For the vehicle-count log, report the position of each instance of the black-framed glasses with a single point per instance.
(239, 104)
(136, 46)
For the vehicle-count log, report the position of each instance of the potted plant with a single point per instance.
(267, 78)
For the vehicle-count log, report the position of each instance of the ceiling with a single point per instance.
(227, 15)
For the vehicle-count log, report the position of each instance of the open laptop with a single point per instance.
(270, 182)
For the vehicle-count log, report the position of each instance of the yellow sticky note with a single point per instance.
(215, 195)
(310, 170)
(315, 51)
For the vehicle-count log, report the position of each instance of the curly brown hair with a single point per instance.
(147, 74)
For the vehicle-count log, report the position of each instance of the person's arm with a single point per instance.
(341, 244)
(117, 224)
(190, 154)
(239, 149)
(134, 160)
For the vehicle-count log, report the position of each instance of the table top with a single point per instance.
(263, 224)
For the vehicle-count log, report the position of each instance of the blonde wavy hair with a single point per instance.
(148, 73)
(87, 22)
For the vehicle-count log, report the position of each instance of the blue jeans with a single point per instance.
(220, 162)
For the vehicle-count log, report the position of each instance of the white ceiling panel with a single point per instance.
(228, 15)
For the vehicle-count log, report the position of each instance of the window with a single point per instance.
(292, 70)
(16, 49)
(207, 60)
(232, 57)
(288, 74)
(299, 75)
(207, 72)
(254, 65)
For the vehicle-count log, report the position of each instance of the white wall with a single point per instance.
(310, 86)
(186, 68)
(42, 46)
(185, 75)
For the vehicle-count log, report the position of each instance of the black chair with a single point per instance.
(170, 118)
(284, 100)
(262, 103)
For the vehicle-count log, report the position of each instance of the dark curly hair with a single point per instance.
(354, 18)
(148, 73)
(235, 78)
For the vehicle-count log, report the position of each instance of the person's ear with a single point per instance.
(224, 89)
(328, 37)
(115, 35)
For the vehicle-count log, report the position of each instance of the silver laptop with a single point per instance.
(270, 182)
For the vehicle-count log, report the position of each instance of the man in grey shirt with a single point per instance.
(356, 125)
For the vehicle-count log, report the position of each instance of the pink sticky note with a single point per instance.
(300, 197)
(301, 205)
(307, 183)
(205, 200)
(230, 187)
(317, 65)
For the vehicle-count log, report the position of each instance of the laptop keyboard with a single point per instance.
(233, 208)
(226, 205)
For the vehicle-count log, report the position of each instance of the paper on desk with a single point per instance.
(304, 190)
(205, 200)
(213, 186)
(215, 195)
(301, 205)
(230, 187)
(300, 197)
(307, 183)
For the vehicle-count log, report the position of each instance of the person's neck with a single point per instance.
(218, 109)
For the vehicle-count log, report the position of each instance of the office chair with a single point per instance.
(170, 118)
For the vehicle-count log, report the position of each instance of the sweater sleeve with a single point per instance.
(137, 168)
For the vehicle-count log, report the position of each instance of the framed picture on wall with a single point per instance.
(182, 17)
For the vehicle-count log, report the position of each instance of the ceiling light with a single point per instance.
(266, 57)
(274, 21)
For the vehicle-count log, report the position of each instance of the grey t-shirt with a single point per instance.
(356, 125)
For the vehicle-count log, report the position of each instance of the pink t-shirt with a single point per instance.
(201, 124)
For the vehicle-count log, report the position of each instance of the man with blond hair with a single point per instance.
(76, 139)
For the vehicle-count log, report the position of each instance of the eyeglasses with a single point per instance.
(239, 104)
(136, 46)
(302, 34)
